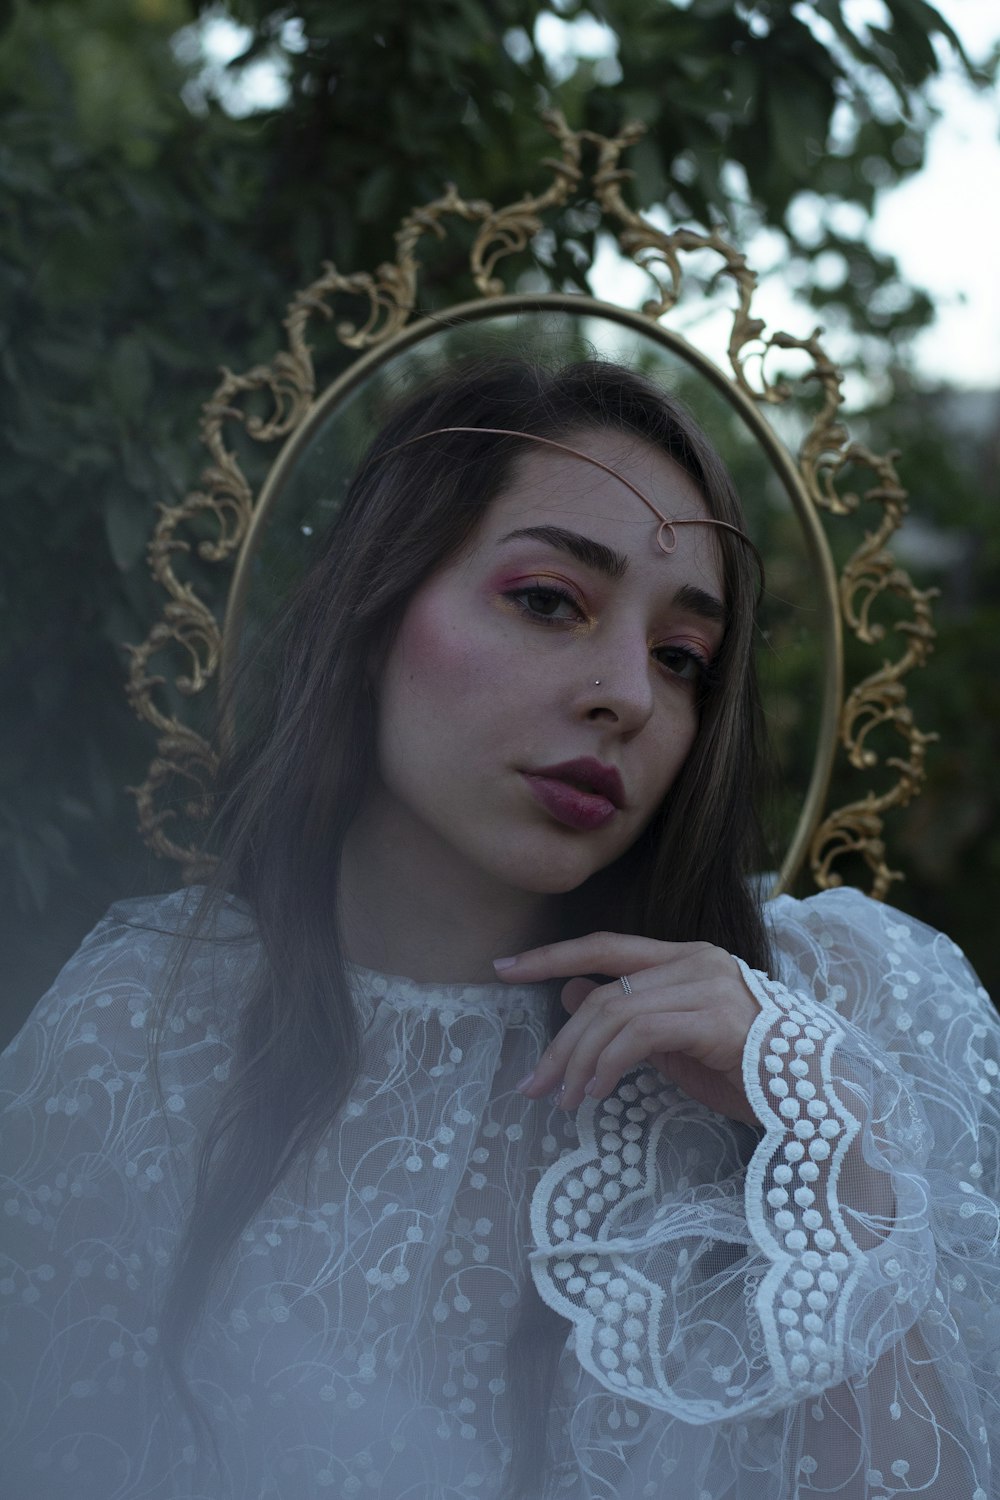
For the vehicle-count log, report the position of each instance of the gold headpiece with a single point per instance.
(666, 527)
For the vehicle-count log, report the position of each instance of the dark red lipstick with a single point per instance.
(581, 793)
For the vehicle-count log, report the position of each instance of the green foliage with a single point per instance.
(948, 840)
(148, 235)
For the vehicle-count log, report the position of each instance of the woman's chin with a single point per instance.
(558, 878)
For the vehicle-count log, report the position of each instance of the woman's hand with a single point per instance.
(689, 1014)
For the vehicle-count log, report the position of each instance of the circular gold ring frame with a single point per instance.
(579, 306)
(832, 482)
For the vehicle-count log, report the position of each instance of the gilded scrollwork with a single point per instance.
(212, 523)
(184, 758)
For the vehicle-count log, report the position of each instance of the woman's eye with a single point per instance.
(546, 604)
(682, 662)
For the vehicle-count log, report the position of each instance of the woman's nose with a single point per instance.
(621, 687)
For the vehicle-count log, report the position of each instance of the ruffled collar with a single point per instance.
(374, 988)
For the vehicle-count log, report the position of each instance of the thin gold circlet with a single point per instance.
(533, 437)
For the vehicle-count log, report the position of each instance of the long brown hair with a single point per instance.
(289, 791)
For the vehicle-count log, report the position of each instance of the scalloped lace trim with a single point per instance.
(802, 1300)
(594, 1220)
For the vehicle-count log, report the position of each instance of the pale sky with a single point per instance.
(943, 225)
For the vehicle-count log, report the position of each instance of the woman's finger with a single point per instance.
(570, 1058)
(610, 1033)
(596, 953)
(641, 1036)
(575, 992)
(618, 1043)
(687, 1000)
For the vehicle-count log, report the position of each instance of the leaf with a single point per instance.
(55, 846)
(127, 526)
(927, 18)
(103, 785)
(31, 873)
(335, 23)
(830, 10)
(744, 86)
(75, 809)
(797, 122)
(21, 174)
(376, 194)
(650, 178)
(72, 358)
(129, 375)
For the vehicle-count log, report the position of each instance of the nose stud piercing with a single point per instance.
(597, 682)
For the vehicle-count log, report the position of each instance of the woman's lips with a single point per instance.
(568, 804)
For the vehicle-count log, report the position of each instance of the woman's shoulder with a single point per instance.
(141, 940)
(175, 961)
(105, 1090)
(845, 945)
(844, 912)
(189, 911)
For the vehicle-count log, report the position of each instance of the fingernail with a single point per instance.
(592, 1088)
(526, 1082)
(504, 963)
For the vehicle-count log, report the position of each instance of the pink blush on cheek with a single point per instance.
(442, 655)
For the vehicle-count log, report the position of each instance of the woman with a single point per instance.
(496, 1144)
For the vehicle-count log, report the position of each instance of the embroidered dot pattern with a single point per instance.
(716, 1286)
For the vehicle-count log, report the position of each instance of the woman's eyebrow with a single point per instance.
(699, 602)
(614, 565)
(592, 554)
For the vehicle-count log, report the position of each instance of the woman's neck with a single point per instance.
(408, 906)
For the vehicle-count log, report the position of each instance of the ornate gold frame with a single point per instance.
(391, 294)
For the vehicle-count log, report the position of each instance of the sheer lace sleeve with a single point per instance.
(94, 1173)
(818, 1300)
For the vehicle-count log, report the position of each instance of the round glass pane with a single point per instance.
(799, 640)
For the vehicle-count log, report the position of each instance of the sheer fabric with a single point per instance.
(809, 1309)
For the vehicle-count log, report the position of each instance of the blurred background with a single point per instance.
(170, 172)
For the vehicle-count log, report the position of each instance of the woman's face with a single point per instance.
(541, 694)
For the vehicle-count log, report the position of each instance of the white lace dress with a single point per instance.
(810, 1309)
